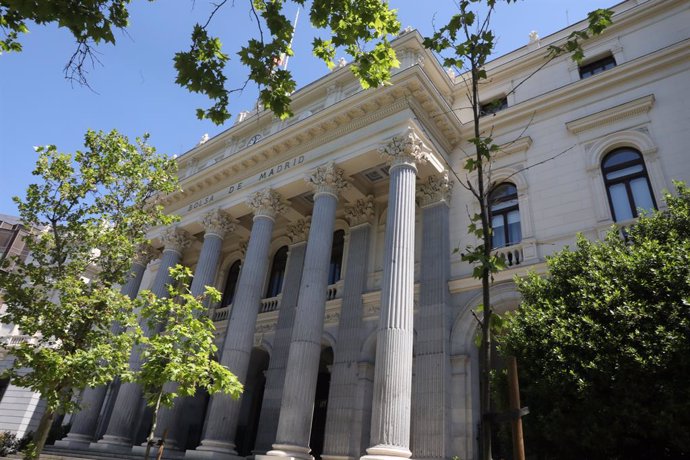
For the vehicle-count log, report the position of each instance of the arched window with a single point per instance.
(231, 284)
(627, 183)
(275, 281)
(336, 264)
(505, 215)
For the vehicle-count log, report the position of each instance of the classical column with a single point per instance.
(126, 412)
(431, 398)
(390, 419)
(294, 423)
(275, 374)
(85, 422)
(343, 389)
(223, 411)
(217, 224)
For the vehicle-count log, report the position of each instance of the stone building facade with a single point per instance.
(346, 312)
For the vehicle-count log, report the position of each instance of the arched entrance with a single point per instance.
(323, 383)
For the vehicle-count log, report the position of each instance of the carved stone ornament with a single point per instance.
(437, 188)
(244, 244)
(266, 202)
(298, 231)
(361, 212)
(175, 239)
(406, 149)
(328, 179)
(217, 222)
(145, 253)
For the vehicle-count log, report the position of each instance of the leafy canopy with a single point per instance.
(603, 343)
(89, 212)
(360, 27)
(183, 352)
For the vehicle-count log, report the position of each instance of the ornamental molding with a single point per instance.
(175, 239)
(436, 189)
(299, 230)
(405, 149)
(145, 253)
(217, 222)
(612, 115)
(328, 179)
(242, 247)
(267, 202)
(361, 212)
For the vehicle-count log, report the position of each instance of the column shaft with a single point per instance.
(390, 426)
(343, 389)
(223, 411)
(126, 412)
(275, 374)
(432, 363)
(85, 422)
(173, 418)
(294, 424)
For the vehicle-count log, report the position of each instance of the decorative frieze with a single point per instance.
(145, 254)
(328, 179)
(175, 239)
(298, 231)
(361, 212)
(267, 202)
(407, 148)
(437, 188)
(217, 222)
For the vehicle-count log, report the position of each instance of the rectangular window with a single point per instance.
(493, 106)
(597, 66)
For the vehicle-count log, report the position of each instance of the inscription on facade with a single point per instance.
(265, 174)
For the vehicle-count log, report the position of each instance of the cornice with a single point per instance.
(606, 117)
(411, 88)
(576, 93)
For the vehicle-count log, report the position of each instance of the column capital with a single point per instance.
(328, 179)
(175, 239)
(298, 231)
(405, 149)
(438, 188)
(362, 212)
(267, 203)
(217, 222)
(145, 253)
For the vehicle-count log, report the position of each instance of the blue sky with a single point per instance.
(134, 92)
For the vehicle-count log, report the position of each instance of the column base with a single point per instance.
(214, 450)
(384, 452)
(113, 444)
(337, 457)
(286, 452)
(167, 452)
(74, 441)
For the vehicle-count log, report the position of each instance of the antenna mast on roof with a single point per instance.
(294, 28)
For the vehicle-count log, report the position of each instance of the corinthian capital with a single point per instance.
(328, 179)
(437, 188)
(298, 231)
(266, 202)
(216, 222)
(406, 149)
(361, 212)
(175, 239)
(145, 253)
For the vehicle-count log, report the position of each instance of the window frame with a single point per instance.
(504, 214)
(224, 300)
(594, 64)
(279, 289)
(608, 183)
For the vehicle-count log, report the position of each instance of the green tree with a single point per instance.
(94, 207)
(603, 343)
(360, 27)
(180, 358)
(466, 43)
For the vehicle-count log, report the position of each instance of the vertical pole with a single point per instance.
(514, 400)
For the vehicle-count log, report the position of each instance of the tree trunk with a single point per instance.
(42, 431)
(149, 439)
